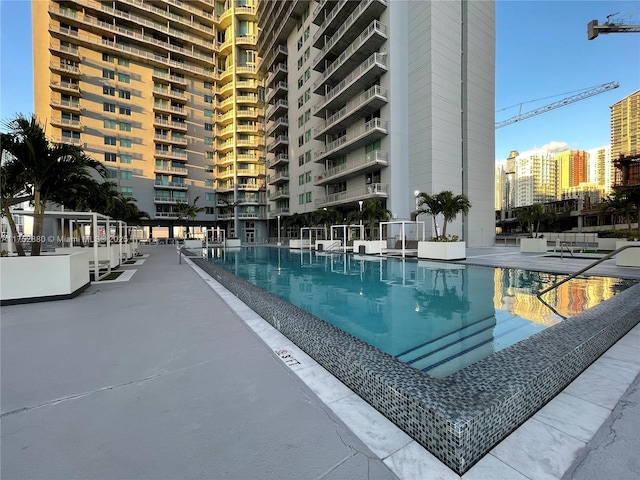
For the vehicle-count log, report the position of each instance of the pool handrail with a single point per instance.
(591, 265)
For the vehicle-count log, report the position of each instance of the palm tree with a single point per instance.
(46, 169)
(12, 193)
(451, 205)
(189, 212)
(373, 212)
(531, 217)
(295, 222)
(621, 202)
(430, 205)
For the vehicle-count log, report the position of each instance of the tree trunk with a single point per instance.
(38, 222)
(435, 227)
(14, 232)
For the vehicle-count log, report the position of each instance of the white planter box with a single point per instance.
(232, 242)
(371, 247)
(442, 250)
(533, 245)
(193, 244)
(298, 243)
(629, 257)
(42, 278)
(607, 243)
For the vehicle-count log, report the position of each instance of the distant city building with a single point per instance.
(572, 168)
(625, 126)
(535, 179)
(601, 171)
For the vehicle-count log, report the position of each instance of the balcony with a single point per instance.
(65, 51)
(248, 113)
(359, 107)
(170, 94)
(225, 132)
(279, 211)
(278, 126)
(66, 105)
(278, 142)
(364, 75)
(364, 46)
(170, 139)
(225, 174)
(76, 142)
(364, 164)
(171, 185)
(247, 98)
(371, 131)
(373, 190)
(170, 170)
(170, 155)
(160, 122)
(166, 108)
(166, 215)
(279, 90)
(170, 200)
(67, 124)
(246, 40)
(279, 159)
(225, 118)
(169, 78)
(364, 14)
(278, 178)
(225, 146)
(63, 68)
(278, 72)
(278, 194)
(279, 108)
(333, 20)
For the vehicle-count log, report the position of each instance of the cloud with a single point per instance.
(554, 146)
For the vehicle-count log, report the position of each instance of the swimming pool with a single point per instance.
(460, 417)
(437, 317)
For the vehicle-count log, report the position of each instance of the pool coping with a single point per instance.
(461, 417)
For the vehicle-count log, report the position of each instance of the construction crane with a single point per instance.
(590, 92)
(611, 26)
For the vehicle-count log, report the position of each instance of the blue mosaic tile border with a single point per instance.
(461, 417)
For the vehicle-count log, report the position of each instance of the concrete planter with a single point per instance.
(533, 245)
(299, 243)
(442, 250)
(193, 244)
(371, 247)
(43, 278)
(629, 257)
(232, 242)
(111, 254)
(607, 243)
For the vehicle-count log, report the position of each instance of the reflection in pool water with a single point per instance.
(438, 317)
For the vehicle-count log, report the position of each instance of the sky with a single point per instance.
(542, 56)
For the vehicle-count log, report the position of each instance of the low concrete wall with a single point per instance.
(46, 277)
(629, 257)
(112, 254)
(371, 247)
(442, 250)
(299, 243)
(193, 244)
(607, 243)
(533, 245)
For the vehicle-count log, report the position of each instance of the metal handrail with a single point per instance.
(562, 246)
(591, 265)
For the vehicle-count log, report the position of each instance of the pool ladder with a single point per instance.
(591, 265)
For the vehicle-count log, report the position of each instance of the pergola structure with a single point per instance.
(313, 234)
(346, 229)
(402, 245)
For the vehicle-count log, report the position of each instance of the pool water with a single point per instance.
(435, 316)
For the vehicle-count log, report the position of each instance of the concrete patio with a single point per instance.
(166, 375)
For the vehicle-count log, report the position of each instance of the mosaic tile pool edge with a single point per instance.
(461, 417)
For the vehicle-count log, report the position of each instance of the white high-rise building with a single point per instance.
(378, 99)
(601, 171)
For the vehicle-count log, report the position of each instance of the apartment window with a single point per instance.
(208, 168)
(107, 58)
(307, 116)
(208, 98)
(123, 61)
(307, 157)
(208, 85)
(301, 160)
(210, 197)
(308, 197)
(306, 34)
(300, 63)
(300, 82)
(208, 127)
(300, 121)
(109, 157)
(108, 140)
(210, 210)
(124, 77)
(307, 177)
(208, 140)
(124, 175)
(209, 155)
(127, 191)
(301, 179)
(125, 111)
(300, 43)
(208, 112)
(125, 158)
(126, 94)
(108, 91)
(301, 199)
(307, 136)
(110, 74)
(125, 127)
(307, 54)
(125, 142)
(112, 173)
(300, 102)
(108, 107)
(307, 94)
(208, 182)
(110, 124)
(301, 140)
(307, 74)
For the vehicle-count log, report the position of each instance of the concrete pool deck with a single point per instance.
(157, 377)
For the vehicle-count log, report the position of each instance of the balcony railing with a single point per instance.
(352, 136)
(372, 190)
(178, 185)
(353, 105)
(174, 170)
(375, 158)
